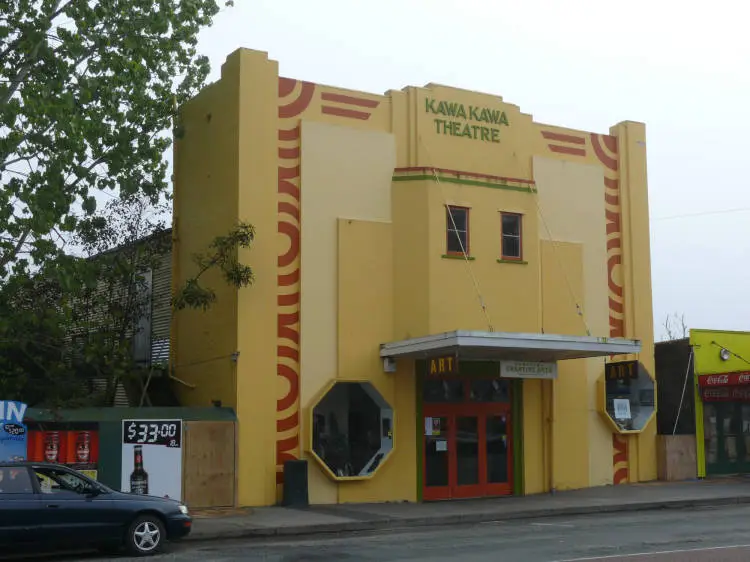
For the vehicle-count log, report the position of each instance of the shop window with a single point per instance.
(443, 390)
(452, 391)
(352, 428)
(629, 395)
(490, 390)
(511, 236)
(457, 230)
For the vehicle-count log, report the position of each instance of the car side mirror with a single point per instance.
(92, 492)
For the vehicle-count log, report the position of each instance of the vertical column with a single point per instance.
(607, 150)
(637, 272)
(257, 382)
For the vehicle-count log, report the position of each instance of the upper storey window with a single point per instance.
(457, 230)
(512, 237)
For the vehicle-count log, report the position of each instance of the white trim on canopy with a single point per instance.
(504, 345)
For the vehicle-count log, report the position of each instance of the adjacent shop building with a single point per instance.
(704, 388)
(451, 299)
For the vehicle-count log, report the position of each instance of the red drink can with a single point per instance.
(83, 447)
(52, 446)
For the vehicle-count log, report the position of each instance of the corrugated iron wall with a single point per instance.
(672, 359)
(161, 310)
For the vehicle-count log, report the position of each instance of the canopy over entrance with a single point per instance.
(510, 346)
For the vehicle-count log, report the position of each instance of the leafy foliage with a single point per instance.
(59, 334)
(106, 316)
(62, 330)
(88, 90)
(222, 254)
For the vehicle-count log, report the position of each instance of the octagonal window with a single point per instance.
(352, 429)
(629, 395)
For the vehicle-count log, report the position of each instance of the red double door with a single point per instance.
(468, 451)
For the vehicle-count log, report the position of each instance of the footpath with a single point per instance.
(314, 520)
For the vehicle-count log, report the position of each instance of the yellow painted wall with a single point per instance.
(206, 170)
(636, 274)
(708, 343)
(366, 259)
(571, 209)
(411, 259)
(454, 297)
(225, 172)
(327, 163)
(536, 437)
(346, 174)
(256, 307)
(562, 267)
(455, 153)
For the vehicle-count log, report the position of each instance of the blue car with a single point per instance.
(52, 506)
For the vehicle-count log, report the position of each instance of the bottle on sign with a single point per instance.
(139, 477)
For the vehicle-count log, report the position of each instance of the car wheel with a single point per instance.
(145, 536)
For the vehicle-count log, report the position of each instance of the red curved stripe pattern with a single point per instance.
(620, 459)
(294, 98)
(288, 423)
(605, 149)
(297, 104)
(289, 134)
(598, 145)
(291, 232)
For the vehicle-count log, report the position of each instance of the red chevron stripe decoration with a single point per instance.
(294, 98)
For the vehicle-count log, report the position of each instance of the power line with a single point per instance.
(701, 214)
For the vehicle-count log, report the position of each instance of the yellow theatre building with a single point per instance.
(451, 299)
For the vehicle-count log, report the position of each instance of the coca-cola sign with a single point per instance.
(725, 379)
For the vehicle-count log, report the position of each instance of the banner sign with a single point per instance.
(13, 431)
(725, 379)
(528, 370)
(76, 446)
(726, 394)
(152, 458)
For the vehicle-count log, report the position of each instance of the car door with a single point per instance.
(72, 513)
(19, 505)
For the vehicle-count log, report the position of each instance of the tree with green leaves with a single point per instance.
(75, 345)
(88, 92)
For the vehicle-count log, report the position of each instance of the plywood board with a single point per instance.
(209, 464)
(676, 457)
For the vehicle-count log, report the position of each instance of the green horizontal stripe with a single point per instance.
(517, 262)
(460, 181)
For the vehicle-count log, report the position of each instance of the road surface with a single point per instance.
(701, 535)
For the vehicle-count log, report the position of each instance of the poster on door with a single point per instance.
(73, 445)
(152, 458)
(13, 432)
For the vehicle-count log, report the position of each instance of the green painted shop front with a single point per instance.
(106, 426)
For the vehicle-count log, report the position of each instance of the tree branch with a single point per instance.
(5, 259)
(29, 62)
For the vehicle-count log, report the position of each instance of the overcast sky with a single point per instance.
(681, 68)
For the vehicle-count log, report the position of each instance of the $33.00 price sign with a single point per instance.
(167, 433)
